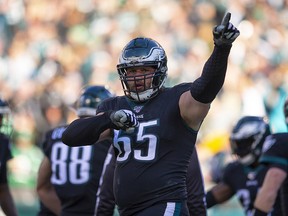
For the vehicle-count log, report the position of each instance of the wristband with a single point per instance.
(210, 199)
(258, 212)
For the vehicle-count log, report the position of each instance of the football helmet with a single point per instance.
(247, 138)
(143, 52)
(5, 118)
(90, 98)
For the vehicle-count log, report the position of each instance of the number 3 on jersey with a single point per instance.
(70, 165)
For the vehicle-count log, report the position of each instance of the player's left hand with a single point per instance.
(226, 32)
(124, 119)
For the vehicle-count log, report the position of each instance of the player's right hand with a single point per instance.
(226, 32)
(124, 119)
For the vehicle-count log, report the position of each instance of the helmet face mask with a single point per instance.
(142, 52)
(247, 138)
(89, 100)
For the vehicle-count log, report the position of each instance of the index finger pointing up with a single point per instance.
(226, 19)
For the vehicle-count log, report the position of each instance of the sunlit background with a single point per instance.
(50, 49)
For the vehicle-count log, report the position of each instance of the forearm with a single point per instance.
(6, 201)
(265, 200)
(206, 87)
(86, 131)
(45, 189)
(218, 194)
(50, 199)
(268, 192)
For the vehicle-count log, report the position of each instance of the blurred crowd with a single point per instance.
(50, 49)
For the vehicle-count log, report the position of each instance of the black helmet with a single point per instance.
(143, 52)
(247, 138)
(90, 98)
(5, 118)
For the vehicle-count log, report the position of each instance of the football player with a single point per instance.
(244, 176)
(69, 178)
(6, 199)
(156, 126)
(275, 156)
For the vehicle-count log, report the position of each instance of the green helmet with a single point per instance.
(90, 98)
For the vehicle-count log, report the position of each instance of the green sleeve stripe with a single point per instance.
(271, 159)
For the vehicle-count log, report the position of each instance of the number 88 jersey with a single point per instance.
(76, 172)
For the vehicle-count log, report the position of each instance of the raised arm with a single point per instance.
(194, 104)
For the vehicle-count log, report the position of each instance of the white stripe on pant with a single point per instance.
(170, 209)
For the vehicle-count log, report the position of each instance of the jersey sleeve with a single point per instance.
(45, 146)
(275, 152)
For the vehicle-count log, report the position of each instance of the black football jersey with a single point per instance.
(245, 182)
(195, 189)
(275, 154)
(76, 172)
(5, 155)
(152, 160)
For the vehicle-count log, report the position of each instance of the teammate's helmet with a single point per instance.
(286, 111)
(247, 138)
(143, 52)
(5, 118)
(90, 98)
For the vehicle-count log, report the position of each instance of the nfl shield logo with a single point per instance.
(137, 109)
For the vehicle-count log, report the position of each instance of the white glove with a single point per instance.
(124, 119)
(226, 32)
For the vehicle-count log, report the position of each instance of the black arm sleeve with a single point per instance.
(86, 131)
(206, 87)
